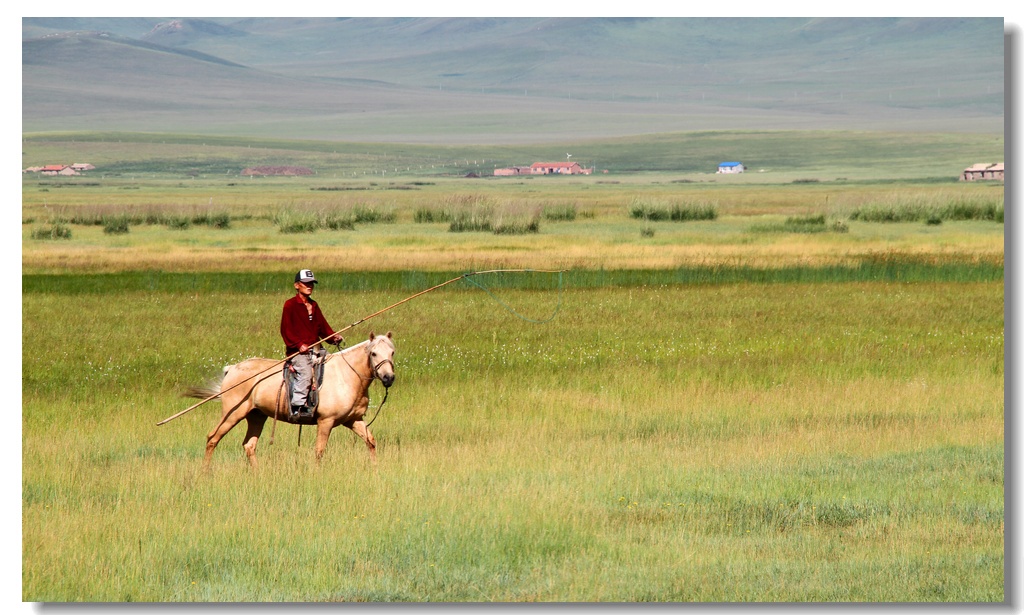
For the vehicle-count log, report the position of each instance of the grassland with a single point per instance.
(781, 442)
(727, 409)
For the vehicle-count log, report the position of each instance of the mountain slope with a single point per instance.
(459, 79)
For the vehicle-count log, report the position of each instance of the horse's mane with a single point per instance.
(365, 342)
(348, 349)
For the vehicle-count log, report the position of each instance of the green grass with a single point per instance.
(666, 442)
(880, 268)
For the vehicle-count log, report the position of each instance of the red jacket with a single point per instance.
(299, 327)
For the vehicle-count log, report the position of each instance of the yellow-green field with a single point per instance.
(836, 442)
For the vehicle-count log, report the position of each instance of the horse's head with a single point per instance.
(381, 351)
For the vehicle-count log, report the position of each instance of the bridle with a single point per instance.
(374, 373)
(374, 369)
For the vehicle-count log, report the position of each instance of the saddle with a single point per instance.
(313, 397)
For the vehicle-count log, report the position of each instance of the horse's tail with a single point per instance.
(211, 389)
(202, 392)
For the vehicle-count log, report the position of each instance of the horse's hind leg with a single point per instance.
(227, 422)
(363, 431)
(256, 420)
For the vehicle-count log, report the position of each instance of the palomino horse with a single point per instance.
(343, 396)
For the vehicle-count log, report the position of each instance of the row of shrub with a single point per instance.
(677, 211)
(171, 219)
(933, 212)
(475, 213)
(500, 221)
(119, 224)
(559, 213)
(803, 224)
(308, 220)
(912, 213)
(54, 231)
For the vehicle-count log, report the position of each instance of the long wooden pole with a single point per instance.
(358, 322)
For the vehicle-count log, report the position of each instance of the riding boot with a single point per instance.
(298, 410)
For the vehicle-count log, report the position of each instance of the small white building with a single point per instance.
(731, 167)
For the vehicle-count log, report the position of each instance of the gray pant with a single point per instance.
(303, 364)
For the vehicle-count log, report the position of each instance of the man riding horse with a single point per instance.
(302, 327)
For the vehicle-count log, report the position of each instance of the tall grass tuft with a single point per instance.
(647, 210)
(178, 223)
(55, 231)
(426, 215)
(815, 223)
(469, 212)
(470, 220)
(221, 220)
(565, 212)
(310, 220)
(697, 210)
(116, 224)
(338, 221)
(484, 215)
(370, 214)
(516, 226)
(901, 208)
(293, 221)
(676, 211)
(516, 218)
(967, 209)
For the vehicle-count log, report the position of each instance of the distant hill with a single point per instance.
(509, 79)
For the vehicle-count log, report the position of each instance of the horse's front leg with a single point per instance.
(323, 432)
(363, 432)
